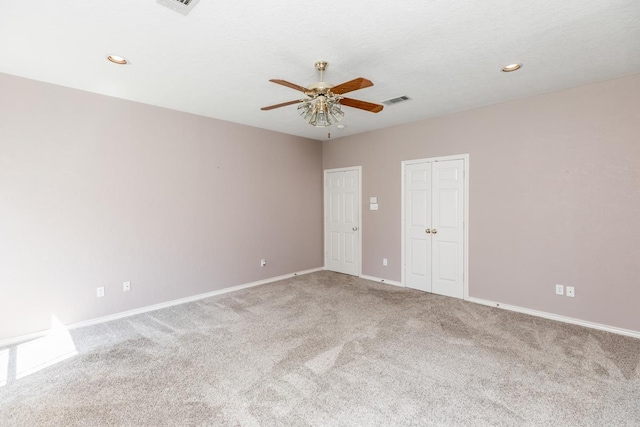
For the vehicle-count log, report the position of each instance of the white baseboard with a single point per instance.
(377, 279)
(557, 317)
(98, 320)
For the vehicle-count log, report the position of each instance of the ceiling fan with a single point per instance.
(323, 103)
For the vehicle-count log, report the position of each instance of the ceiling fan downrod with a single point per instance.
(321, 66)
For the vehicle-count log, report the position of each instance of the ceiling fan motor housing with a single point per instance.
(320, 87)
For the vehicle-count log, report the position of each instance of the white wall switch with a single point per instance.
(263, 262)
(373, 200)
(384, 261)
(560, 289)
(126, 286)
(100, 292)
(373, 206)
(571, 291)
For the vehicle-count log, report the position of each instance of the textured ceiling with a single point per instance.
(217, 60)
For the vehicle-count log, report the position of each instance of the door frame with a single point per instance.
(324, 211)
(465, 268)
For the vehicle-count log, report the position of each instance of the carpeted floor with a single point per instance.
(327, 349)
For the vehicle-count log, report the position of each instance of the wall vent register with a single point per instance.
(180, 6)
(397, 100)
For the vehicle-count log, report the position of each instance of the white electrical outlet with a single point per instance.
(126, 286)
(100, 292)
(560, 289)
(571, 291)
(263, 262)
(384, 261)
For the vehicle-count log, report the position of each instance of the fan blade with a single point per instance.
(355, 84)
(284, 104)
(363, 105)
(288, 84)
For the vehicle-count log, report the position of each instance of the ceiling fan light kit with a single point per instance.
(321, 112)
(323, 107)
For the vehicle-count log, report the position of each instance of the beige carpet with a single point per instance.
(331, 350)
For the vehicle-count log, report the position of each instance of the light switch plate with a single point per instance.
(373, 200)
(373, 206)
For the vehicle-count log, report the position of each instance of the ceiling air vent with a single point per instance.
(181, 6)
(394, 101)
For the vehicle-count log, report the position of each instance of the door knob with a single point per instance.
(434, 231)
(428, 230)
(355, 228)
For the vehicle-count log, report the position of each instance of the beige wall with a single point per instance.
(95, 191)
(554, 197)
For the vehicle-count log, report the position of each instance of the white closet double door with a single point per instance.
(434, 226)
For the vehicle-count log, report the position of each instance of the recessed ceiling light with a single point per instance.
(511, 67)
(117, 59)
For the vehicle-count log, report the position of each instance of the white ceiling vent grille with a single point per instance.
(181, 6)
(394, 101)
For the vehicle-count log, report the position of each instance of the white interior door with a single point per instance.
(417, 221)
(447, 232)
(342, 221)
(434, 226)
